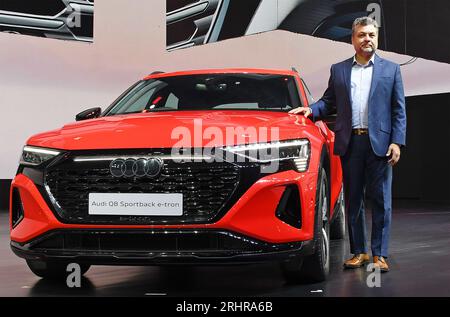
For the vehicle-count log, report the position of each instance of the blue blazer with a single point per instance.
(387, 113)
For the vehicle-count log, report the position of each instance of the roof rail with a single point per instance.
(157, 72)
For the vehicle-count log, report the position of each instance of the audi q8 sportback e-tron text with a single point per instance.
(193, 167)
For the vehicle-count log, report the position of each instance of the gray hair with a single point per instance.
(364, 21)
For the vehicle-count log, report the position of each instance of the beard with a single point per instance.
(368, 49)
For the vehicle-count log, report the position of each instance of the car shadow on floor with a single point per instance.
(231, 280)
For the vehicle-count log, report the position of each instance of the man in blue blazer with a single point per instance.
(366, 92)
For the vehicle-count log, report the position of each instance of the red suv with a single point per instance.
(193, 167)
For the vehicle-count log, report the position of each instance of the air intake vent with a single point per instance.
(289, 207)
(17, 208)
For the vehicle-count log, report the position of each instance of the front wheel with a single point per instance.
(316, 267)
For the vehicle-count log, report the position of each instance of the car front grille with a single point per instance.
(206, 188)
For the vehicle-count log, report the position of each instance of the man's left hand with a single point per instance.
(393, 150)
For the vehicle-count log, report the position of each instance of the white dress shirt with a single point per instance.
(361, 81)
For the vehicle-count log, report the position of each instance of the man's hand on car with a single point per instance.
(305, 110)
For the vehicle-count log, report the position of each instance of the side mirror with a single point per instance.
(89, 114)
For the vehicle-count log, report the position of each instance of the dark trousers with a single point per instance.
(366, 173)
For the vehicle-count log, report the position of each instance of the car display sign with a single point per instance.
(135, 204)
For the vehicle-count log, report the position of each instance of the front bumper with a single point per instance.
(156, 247)
(253, 215)
(249, 226)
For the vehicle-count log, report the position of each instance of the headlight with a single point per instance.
(36, 155)
(296, 150)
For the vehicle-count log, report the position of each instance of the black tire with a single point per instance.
(338, 226)
(316, 267)
(52, 270)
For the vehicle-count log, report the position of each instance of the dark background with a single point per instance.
(423, 172)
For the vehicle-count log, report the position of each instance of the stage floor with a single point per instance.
(419, 261)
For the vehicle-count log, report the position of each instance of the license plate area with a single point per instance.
(135, 204)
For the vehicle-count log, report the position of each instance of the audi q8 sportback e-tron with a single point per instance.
(193, 167)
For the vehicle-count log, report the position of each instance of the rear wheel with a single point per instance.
(52, 270)
(315, 268)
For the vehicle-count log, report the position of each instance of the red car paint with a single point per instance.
(252, 215)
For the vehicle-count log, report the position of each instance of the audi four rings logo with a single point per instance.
(136, 167)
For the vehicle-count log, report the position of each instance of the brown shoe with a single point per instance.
(356, 261)
(380, 262)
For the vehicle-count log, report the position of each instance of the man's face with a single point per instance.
(365, 39)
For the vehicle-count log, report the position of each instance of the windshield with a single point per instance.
(209, 92)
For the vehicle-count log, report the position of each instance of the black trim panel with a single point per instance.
(156, 247)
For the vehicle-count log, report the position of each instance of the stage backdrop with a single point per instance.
(411, 27)
(45, 82)
(58, 19)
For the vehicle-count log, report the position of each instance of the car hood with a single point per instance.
(176, 128)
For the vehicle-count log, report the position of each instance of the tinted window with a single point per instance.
(212, 91)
